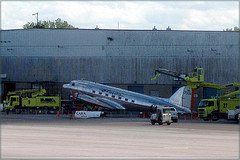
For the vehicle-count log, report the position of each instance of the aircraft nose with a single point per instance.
(66, 86)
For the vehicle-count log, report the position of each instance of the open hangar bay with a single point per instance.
(48, 58)
(49, 137)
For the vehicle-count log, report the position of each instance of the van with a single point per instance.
(174, 114)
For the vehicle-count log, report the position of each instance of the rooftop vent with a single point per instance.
(154, 28)
(168, 28)
(96, 27)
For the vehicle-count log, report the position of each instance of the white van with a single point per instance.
(174, 114)
(163, 115)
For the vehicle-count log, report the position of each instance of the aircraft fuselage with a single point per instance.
(128, 99)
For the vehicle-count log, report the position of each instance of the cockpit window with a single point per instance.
(206, 103)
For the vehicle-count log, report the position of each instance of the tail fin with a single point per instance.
(182, 97)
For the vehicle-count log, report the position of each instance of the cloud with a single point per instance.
(130, 15)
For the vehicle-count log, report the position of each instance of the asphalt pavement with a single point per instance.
(52, 137)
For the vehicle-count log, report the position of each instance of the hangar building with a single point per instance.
(48, 58)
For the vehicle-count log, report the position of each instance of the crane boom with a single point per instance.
(194, 80)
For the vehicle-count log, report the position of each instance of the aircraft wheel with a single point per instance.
(168, 123)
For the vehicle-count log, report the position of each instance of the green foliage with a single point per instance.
(58, 23)
(234, 29)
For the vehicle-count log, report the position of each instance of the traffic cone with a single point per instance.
(75, 117)
(191, 117)
(58, 114)
(144, 115)
(68, 115)
(196, 116)
(185, 117)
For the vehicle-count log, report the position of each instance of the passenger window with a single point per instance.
(106, 94)
(113, 96)
(126, 99)
(133, 101)
(100, 92)
(93, 91)
(119, 97)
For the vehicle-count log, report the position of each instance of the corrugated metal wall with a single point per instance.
(119, 70)
(117, 57)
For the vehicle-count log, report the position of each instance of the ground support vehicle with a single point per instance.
(218, 107)
(32, 101)
(163, 115)
(174, 114)
(234, 115)
(215, 107)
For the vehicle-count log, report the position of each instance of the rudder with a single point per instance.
(182, 97)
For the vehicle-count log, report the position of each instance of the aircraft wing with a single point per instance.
(106, 103)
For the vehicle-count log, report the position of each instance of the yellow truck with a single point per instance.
(32, 100)
(215, 107)
(218, 107)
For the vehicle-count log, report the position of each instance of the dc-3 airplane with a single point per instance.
(115, 98)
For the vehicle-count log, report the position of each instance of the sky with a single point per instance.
(179, 15)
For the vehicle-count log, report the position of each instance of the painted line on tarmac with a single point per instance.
(175, 147)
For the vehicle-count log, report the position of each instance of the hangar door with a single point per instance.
(8, 87)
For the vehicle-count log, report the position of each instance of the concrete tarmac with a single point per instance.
(49, 137)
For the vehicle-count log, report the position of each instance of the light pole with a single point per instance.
(36, 14)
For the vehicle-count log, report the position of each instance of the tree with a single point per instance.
(58, 23)
(234, 29)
